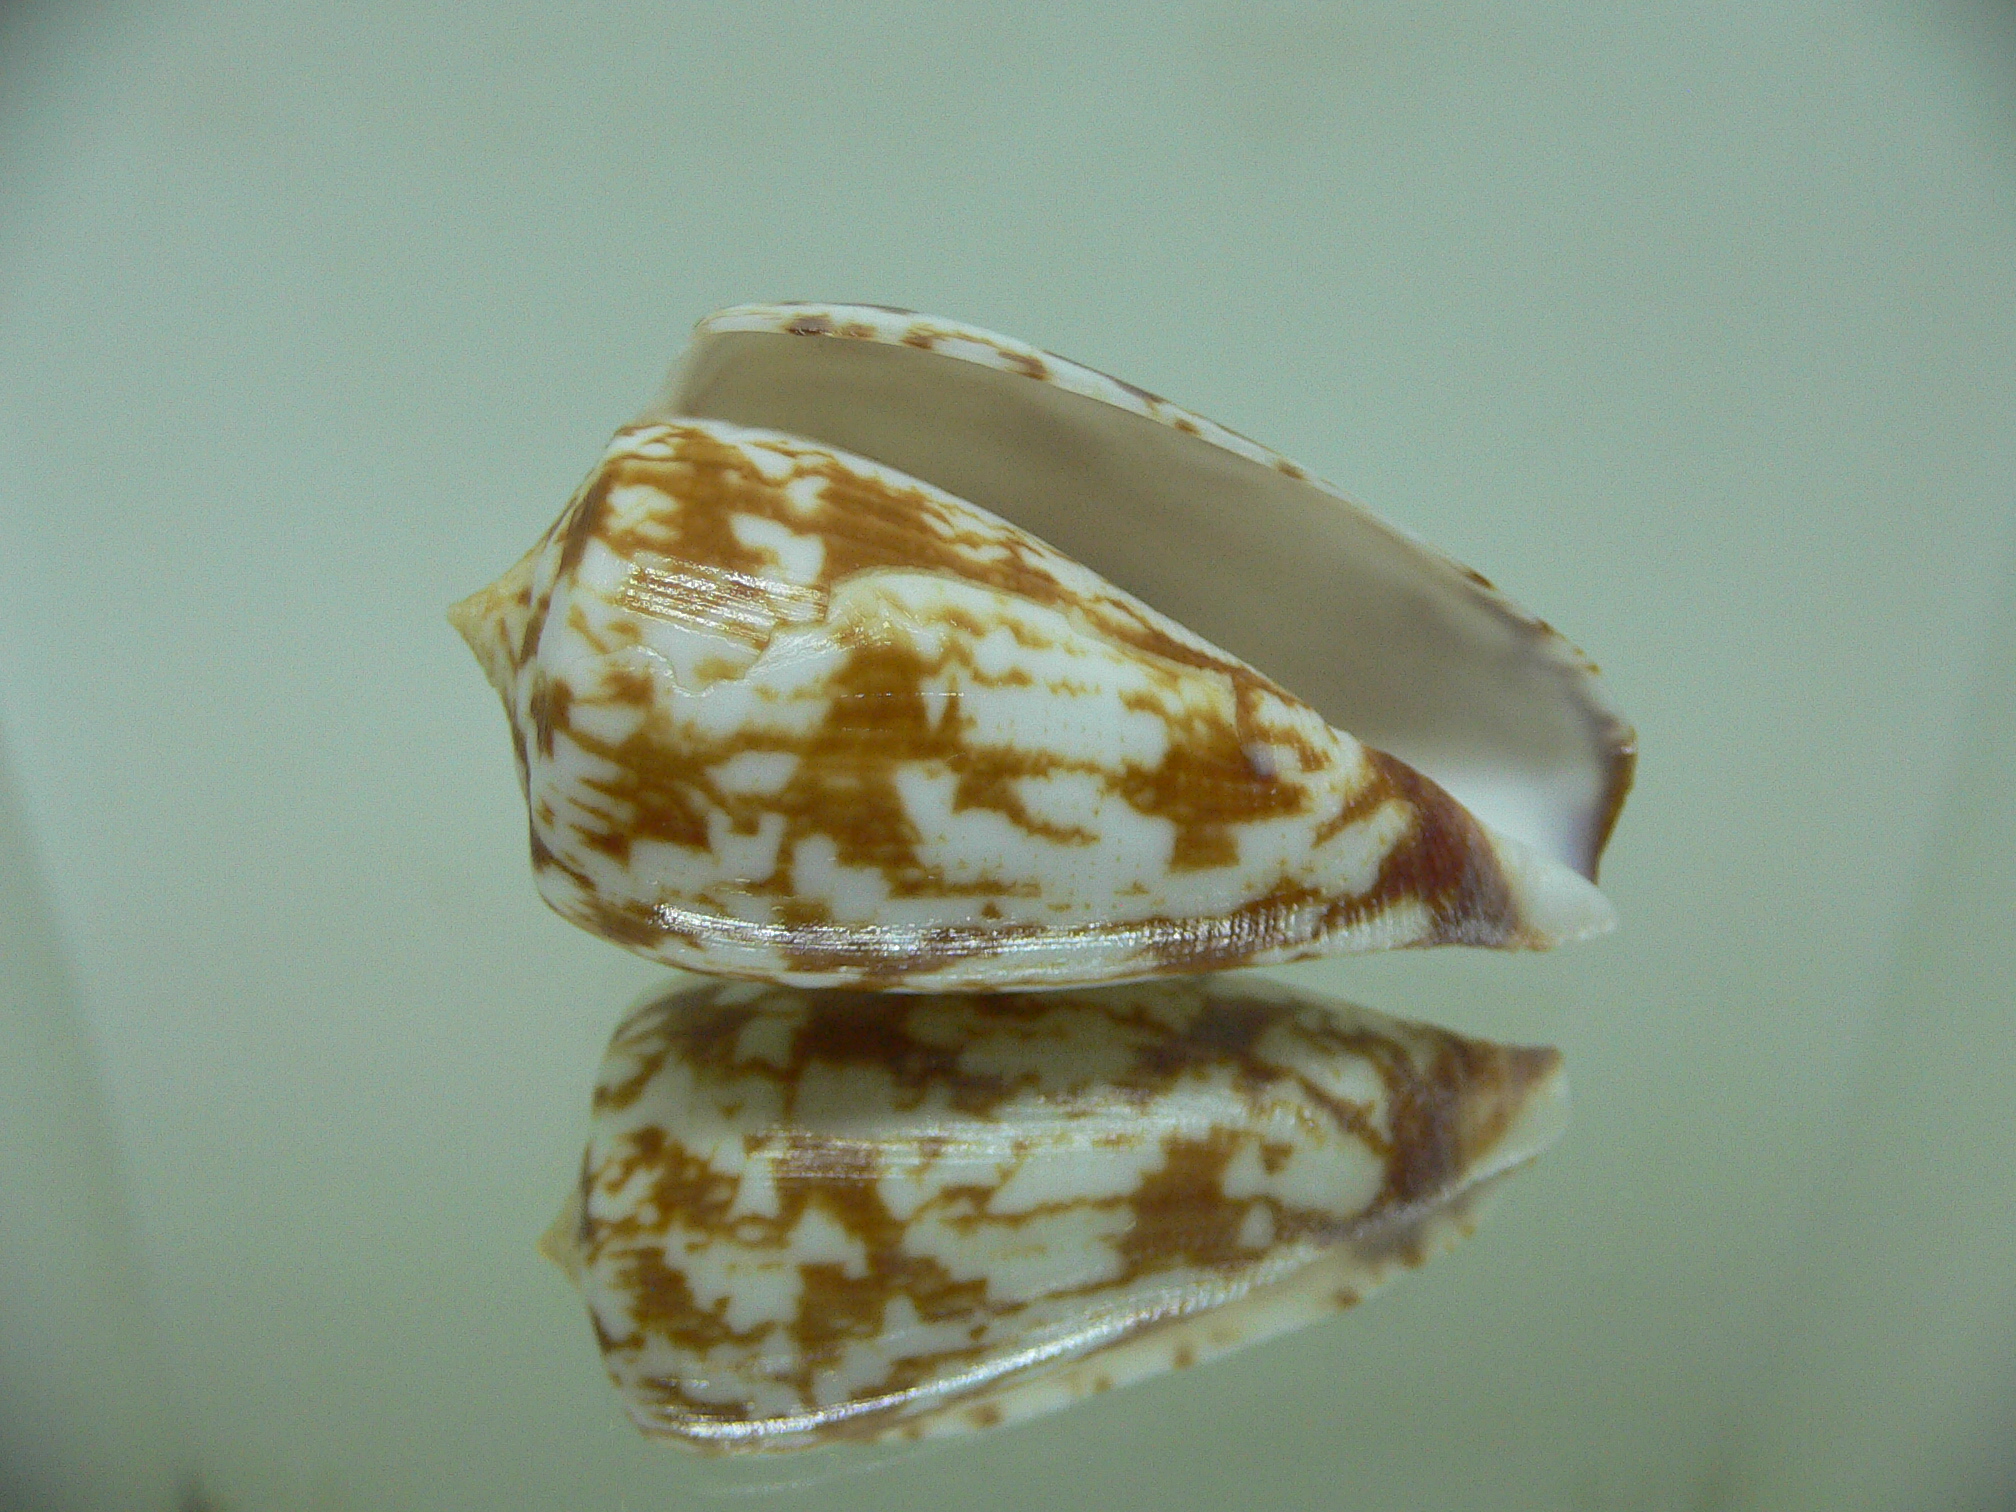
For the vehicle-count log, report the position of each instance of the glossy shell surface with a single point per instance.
(787, 713)
(805, 1217)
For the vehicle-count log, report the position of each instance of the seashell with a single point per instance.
(834, 673)
(807, 1217)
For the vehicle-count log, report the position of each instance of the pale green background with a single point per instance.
(1693, 325)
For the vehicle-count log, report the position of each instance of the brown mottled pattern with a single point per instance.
(657, 783)
(1613, 740)
(684, 1101)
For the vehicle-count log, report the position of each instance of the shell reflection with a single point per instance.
(811, 1216)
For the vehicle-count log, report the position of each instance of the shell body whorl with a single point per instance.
(783, 713)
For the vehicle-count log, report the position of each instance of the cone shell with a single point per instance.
(807, 1217)
(783, 712)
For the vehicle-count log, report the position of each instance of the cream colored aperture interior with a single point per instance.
(1386, 638)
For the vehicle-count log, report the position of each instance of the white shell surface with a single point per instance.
(1414, 653)
(784, 713)
(804, 1217)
